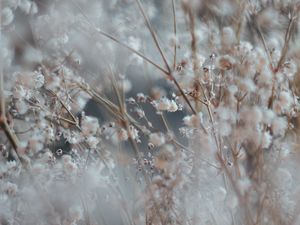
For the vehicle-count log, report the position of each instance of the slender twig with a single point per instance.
(175, 34)
(153, 34)
(13, 139)
(286, 41)
(65, 107)
(188, 10)
(257, 28)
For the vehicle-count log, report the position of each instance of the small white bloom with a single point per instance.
(92, 141)
(172, 106)
(228, 36)
(279, 126)
(122, 135)
(134, 133)
(7, 16)
(66, 158)
(193, 120)
(21, 107)
(20, 92)
(266, 140)
(157, 139)
(89, 125)
(38, 80)
(285, 99)
(125, 85)
(141, 97)
(10, 188)
(70, 167)
(163, 104)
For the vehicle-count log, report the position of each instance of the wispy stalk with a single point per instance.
(175, 34)
(153, 35)
(287, 38)
(11, 136)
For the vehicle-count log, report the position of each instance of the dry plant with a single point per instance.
(157, 112)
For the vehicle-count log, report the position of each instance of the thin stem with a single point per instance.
(65, 107)
(184, 96)
(286, 41)
(14, 141)
(262, 38)
(148, 24)
(175, 34)
(189, 12)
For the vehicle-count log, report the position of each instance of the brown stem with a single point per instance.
(175, 34)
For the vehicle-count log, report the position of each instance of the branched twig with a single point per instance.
(148, 24)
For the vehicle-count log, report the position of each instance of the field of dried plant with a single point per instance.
(149, 112)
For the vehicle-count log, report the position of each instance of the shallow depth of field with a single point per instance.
(149, 112)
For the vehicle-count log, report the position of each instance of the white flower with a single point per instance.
(266, 140)
(122, 135)
(66, 158)
(21, 107)
(165, 104)
(193, 120)
(285, 99)
(20, 92)
(125, 85)
(157, 139)
(134, 133)
(268, 116)
(252, 116)
(141, 97)
(38, 80)
(173, 106)
(228, 36)
(89, 125)
(10, 188)
(92, 141)
(25, 6)
(279, 126)
(7, 16)
(70, 167)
